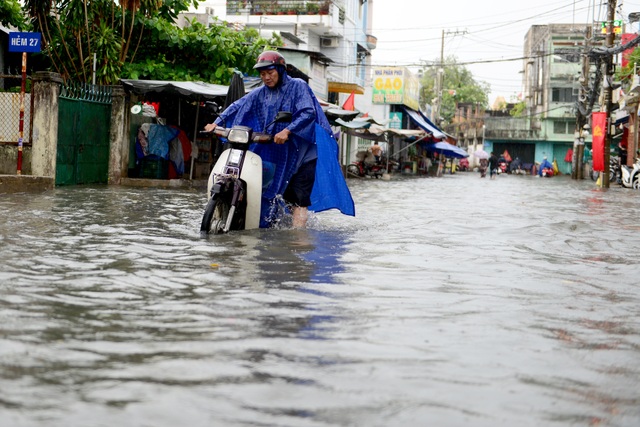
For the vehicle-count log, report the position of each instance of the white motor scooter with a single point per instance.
(235, 183)
(631, 176)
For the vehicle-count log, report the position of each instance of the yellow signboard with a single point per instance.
(395, 85)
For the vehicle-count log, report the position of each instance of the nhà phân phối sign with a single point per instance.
(395, 85)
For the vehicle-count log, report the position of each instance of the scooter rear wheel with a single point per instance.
(215, 216)
(353, 170)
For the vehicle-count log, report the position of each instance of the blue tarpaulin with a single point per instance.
(446, 149)
(425, 123)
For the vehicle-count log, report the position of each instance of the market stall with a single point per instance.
(166, 144)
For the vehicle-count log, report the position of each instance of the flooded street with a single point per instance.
(445, 302)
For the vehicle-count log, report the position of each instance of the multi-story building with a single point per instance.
(328, 40)
(552, 72)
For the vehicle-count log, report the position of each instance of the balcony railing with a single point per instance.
(278, 7)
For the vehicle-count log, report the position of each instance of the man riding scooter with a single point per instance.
(307, 173)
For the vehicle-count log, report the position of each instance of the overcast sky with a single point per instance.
(479, 33)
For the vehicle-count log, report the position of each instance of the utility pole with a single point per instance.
(608, 81)
(440, 77)
(439, 83)
(577, 171)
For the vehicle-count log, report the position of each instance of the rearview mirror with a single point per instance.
(283, 117)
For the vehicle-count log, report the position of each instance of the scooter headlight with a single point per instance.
(238, 136)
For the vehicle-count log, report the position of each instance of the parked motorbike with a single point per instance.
(631, 176)
(503, 166)
(361, 169)
(615, 172)
(463, 165)
(235, 184)
(366, 166)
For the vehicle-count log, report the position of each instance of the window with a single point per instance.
(563, 94)
(561, 127)
(566, 55)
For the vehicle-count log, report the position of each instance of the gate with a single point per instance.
(84, 122)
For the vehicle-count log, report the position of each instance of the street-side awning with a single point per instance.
(425, 123)
(367, 129)
(365, 134)
(406, 133)
(354, 124)
(196, 91)
(192, 90)
(342, 87)
(334, 114)
(447, 150)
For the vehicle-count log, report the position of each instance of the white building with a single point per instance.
(333, 39)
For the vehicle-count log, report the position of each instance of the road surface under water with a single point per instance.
(446, 301)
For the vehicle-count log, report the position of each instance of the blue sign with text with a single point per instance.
(24, 42)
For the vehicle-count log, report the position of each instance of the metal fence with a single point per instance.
(10, 114)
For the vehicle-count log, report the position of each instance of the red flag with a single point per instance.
(599, 126)
(349, 104)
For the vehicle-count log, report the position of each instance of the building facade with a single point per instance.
(551, 83)
(328, 40)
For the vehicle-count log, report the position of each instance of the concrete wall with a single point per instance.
(118, 136)
(46, 90)
(9, 160)
(40, 159)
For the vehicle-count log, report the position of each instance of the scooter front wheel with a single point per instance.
(215, 216)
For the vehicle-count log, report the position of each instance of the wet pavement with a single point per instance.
(446, 301)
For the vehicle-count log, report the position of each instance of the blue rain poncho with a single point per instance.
(544, 165)
(310, 137)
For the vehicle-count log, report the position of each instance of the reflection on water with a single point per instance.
(443, 302)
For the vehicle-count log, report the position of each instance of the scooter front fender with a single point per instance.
(626, 176)
(218, 168)
(251, 174)
(635, 175)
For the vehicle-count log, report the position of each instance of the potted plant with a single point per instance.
(312, 8)
(324, 8)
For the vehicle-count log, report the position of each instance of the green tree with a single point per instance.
(625, 74)
(459, 86)
(137, 38)
(73, 31)
(11, 14)
(196, 52)
(518, 109)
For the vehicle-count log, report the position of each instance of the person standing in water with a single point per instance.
(295, 152)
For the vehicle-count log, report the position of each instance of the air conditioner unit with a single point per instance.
(209, 10)
(329, 42)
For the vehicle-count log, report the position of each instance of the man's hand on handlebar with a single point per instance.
(210, 127)
(282, 136)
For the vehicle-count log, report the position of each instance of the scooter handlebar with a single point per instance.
(262, 138)
(257, 137)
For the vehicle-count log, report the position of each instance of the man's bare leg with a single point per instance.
(300, 215)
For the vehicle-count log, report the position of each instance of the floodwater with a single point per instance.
(445, 302)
